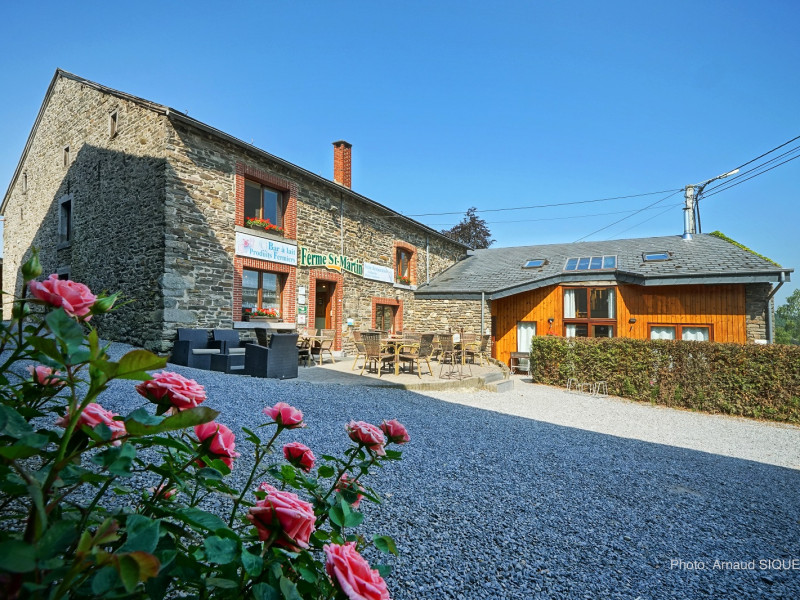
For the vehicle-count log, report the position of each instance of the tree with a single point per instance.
(472, 231)
(787, 320)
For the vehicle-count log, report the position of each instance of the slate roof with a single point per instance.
(706, 259)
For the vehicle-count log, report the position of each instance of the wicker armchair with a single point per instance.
(418, 353)
(375, 353)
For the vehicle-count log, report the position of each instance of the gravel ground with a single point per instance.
(563, 497)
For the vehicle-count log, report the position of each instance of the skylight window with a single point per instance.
(534, 263)
(655, 256)
(591, 263)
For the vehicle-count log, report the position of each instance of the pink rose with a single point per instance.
(222, 441)
(299, 455)
(173, 389)
(352, 486)
(367, 435)
(46, 376)
(351, 571)
(92, 416)
(395, 431)
(295, 518)
(285, 415)
(75, 298)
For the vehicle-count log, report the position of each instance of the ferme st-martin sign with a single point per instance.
(331, 260)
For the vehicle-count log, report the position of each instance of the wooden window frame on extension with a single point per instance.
(582, 311)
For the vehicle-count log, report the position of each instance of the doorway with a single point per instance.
(324, 306)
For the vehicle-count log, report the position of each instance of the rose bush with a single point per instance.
(99, 505)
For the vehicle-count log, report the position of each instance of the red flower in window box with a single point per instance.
(264, 224)
(404, 280)
(270, 313)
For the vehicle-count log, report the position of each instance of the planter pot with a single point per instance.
(258, 319)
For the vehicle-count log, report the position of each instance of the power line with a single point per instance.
(729, 180)
(629, 216)
(569, 217)
(485, 210)
(720, 189)
(732, 182)
(669, 208)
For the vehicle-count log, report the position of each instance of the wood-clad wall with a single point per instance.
(720, 306)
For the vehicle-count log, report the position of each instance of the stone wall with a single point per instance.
(201, 189)
(441, 315)
(115, 185)
(756, 306)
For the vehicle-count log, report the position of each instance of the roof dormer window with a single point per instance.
(655, 256)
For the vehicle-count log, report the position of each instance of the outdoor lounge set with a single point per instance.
(275, 358)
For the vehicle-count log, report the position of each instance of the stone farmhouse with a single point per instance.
(199, 229)
(124, 194)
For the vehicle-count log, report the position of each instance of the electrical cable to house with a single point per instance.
(720, 188)
(728, 184)
(569, 217)
(485, 210)
(629, 216)
(663, 212)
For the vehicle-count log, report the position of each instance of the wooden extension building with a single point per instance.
(704, 288)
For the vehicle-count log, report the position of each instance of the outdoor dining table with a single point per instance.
(396, 342)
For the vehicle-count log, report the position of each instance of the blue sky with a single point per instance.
(450, 105)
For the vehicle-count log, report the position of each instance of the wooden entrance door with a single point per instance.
(324, 307)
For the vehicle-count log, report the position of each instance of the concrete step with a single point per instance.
(492, 377)
(500, 387)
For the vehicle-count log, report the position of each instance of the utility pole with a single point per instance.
(690, 209)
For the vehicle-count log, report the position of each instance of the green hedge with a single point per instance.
(762, 382)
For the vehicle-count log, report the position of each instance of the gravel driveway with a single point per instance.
(565, 497)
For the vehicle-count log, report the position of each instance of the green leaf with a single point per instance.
(141, 416)
(252, 564)
(46, 347)
(56, 539)
(128, 570)
(118, 460)
(289, 589)
(261, 591)
(12, 423)
(208, 473)
(18, 557)
(200, 519)
(142, 534)
(65, 329)
(326, 471)
(384, 570)
(336, 514)
(105, 580)
(221, 550)
(219, 582)
(251, 436)
(354, 519)
(135, 364)
(307, 574)
(384, 543)
(183, 420)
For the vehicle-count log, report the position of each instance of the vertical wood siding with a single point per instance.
(720, 306)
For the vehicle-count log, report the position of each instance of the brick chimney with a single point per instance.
(341, 163)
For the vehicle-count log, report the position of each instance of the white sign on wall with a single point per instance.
(378, 273)
(251, 246)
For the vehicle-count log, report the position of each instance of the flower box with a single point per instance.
(263, 225)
